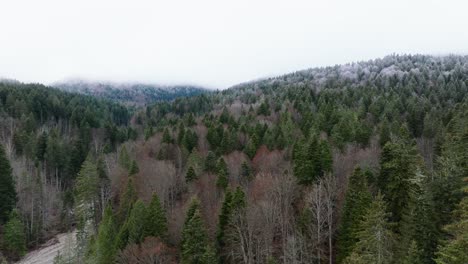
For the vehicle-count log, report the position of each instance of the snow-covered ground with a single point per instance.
(46, 254)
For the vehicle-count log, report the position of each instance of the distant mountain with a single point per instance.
(130, 93)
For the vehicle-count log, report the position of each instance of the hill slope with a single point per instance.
(130, 93)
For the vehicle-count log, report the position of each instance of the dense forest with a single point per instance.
(130, 93)
(357, 163)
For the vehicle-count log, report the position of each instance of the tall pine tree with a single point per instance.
(7, 187)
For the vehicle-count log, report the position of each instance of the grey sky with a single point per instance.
(215, 43)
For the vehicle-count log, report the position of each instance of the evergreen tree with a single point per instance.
(156, 222)
(397, 169)
(191, 175)
(375, 238)
(210, 162)
(357, 201)
(453, 251)
(124, 158)
(222, 172)
(14, 237)
(105, 250)
(194, 237)
(413, 255)
(133, 168)
(7, 187)
(136, 222)
(126, 202)
(87, 191)
(166, 138)
(209, 256)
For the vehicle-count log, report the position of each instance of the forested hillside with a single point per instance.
(130, 93)
(356, 163)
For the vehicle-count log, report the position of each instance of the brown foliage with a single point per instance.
(151, 251)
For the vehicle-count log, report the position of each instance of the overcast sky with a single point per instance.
(215, 43)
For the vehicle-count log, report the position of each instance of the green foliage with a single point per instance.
(105, 250)
(397, 169)
(14, 235)
(223, 174)
(375, 238)
(126, 202)
(166, 138)
(191, 175)
(156, 221)
(357, 201)
(136, 223)
(87, 191)
(124, 159)
(210, 162)
(311, 159)
(133, 168)
(7, 187)
(194, 238)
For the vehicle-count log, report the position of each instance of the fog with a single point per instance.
(215, 43)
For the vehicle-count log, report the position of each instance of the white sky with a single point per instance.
(215, 43)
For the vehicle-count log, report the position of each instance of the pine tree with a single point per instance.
(14, 237)
(413, 255)
(210, 162)
(136, 222)
(222, 172)
(191, 175)
(209, 256)
(194, 237)
(7, 187)
(105, 250)
(124, 158)
(87, 191)
(397, 169)
(133, 168)
(357, 202)
(156, 221)
(126, 202)
(166, 138)
(375, 238)
(453, 251)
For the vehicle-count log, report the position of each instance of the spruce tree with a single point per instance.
(136, 222)
(397, 171)
(357, 202)
(133, 168)
(14, 236)
(194, 237)
(7, 187)
(222, 172)
(156, 221)
(191, 175)
(375, 238)
(105, 250)
(210, 162)
(126, 202)
(124, 158)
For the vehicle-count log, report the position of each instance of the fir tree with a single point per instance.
(105, 250)
(222, 172)
(191, 175)
(156, 222)
(194, 237)
(166, 138)
(357, 201)
(14, 236)
(210, 162)
(375, 238)
(7, 187)
(136, 222)
(124, 158)
(133, 168)
(126, 202)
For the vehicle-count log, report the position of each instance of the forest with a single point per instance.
(358, 163)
